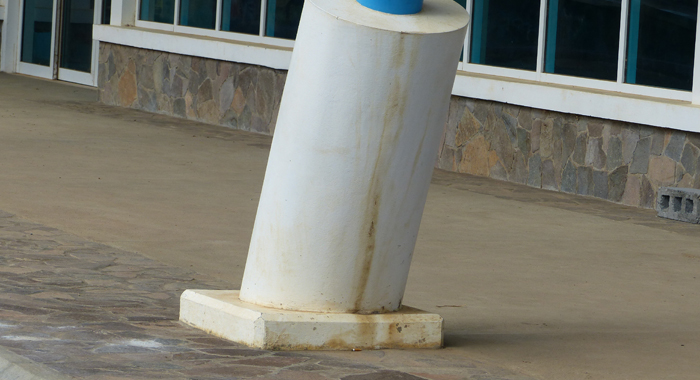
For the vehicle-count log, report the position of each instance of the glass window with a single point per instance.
(583, 37)
(242, 16)
(76, 35)
(283, 18)
(106, 11)
(36, 32)
(661, 43)
(158, 11)
(504, 33)
(198, 13)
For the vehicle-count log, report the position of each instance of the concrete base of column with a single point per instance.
(221, 313)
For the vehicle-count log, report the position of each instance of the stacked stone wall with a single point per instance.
(616, 161)
(620, 162)
(231, 94)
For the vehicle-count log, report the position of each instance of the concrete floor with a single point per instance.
(549, 285)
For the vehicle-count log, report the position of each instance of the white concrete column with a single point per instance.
(355, 143)
(359, 126)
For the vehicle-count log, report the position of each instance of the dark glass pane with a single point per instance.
(504, 33)
(661, 43)
(463, 3)
(106, 11)
(76, 37)
(198, 13)
(242, 16)
(583, 37)
(36, 32)
(283, 18)
(158, 11)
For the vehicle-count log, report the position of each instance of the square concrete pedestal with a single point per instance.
(221, 313)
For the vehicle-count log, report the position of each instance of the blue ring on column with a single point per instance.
(395, 7)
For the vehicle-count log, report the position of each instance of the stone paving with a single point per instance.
(86, 310)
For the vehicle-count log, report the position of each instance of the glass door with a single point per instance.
(56, 40)
(75, 58)
(37, 47)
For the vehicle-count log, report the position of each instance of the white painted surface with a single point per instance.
(672, 114)
(10, 37)
(275, 57)
(356, 139)
(659, 107)
(221, 313)
(123, 12)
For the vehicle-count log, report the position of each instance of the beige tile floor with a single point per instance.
(547, 285)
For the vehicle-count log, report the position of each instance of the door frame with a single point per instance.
(53, 71)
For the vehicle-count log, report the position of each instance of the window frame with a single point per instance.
(619, 85)
(612, 100)
(175, 27)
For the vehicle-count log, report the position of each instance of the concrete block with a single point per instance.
(222, 313)
(679, 204)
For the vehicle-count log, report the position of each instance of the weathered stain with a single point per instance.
(393, 125)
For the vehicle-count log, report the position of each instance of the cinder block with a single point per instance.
(679, 204)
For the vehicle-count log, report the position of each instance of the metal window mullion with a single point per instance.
(633, 41)
(622, 51)
(467, 39)
(217, 22)
(56, 37)
(263, 17)
(696, 63)
(176, 21)
(541, 36)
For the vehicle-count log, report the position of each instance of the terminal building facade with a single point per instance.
(593, 97)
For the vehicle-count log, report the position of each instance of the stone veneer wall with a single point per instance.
(617, 161)
(236, 95)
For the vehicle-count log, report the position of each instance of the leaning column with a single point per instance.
(357, 135)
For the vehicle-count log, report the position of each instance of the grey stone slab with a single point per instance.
(614, 154)
(520, 173)
(498, 172)
(647, 194)
(568, 140)
(523, 140)
(629, 137)
(549, 176)
(600, 184)
(584, 178)
(674, 149)
(616, 183)
(640, 158)
(595, 156)
(511, 124)
(580, 149)
(657, 142)
(180, 107)
(689, 159)
(646, 131)
(535, 171)
(525, 118)
(595, 130)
